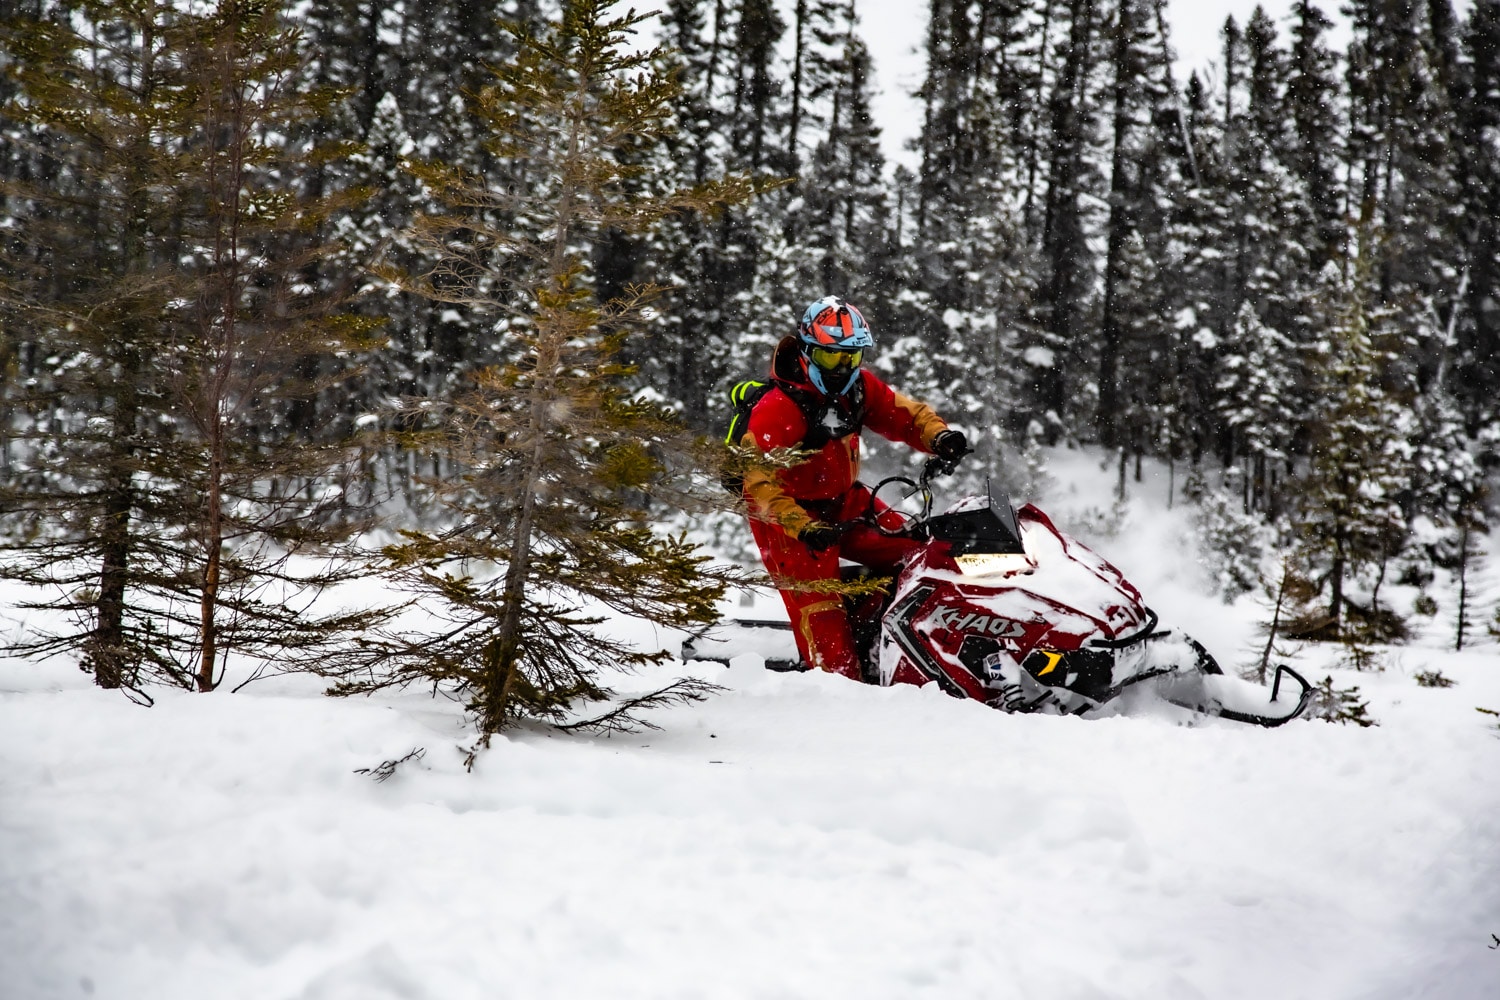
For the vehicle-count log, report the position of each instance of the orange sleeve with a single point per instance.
(900, 418)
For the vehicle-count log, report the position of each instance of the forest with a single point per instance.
(274, 275)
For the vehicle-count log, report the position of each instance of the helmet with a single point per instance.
(834, 336)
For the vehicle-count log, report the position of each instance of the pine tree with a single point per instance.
(1314, 146)
(1068, 264)
(844, 227)
(556, 454)
(1133, 316)
(1350, 518)
(1476, 375)
(734, 118)
(1191, 273)
(85, 252)
(1258, 397)
(1268, 278)
(970, 314)
(1401, 154)
(164, 487)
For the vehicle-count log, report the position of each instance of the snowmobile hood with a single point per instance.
(1066, 583)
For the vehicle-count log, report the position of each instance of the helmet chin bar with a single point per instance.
(827, 382)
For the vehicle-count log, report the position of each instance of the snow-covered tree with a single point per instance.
(1349, 518)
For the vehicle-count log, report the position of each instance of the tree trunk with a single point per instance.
(1463, 585)
(106, 645)
(504, 668)
(793, 160)
(1121, 220)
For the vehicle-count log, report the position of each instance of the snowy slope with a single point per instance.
(796, 836)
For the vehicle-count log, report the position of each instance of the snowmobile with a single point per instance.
(1000, 606)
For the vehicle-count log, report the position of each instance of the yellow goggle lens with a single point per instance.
(829, 359)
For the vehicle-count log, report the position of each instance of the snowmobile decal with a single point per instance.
(1053, 659)
(916, 650)
(956, 620)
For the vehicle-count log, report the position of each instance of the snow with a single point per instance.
(795, 836)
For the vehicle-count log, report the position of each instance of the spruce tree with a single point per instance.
(1312, 96)
(1068, 263)
(734, 118)
(1350, 519)
(844, 185)
(555, 453)
(168, 489)
(1132, 318)
(968, 313)
(1476, 374)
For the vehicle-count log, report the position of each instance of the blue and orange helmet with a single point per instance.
(834, 337)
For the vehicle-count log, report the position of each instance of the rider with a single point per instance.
(822, 398)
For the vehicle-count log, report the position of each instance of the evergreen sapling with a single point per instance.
(546, 519)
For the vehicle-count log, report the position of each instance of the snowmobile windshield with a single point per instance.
(982, 525)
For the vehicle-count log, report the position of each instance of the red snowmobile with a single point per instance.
(1001, 606)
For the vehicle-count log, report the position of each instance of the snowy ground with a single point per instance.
(797, 836)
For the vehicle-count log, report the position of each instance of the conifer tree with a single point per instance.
(734, 118)
(1268, 278)
(1068, 264)
(1476, 374)
(814, 37)
(971, 312)
(1131, 316)
(1316, 134)
(1258, 382)
(1192, 272)
(169, 489)
(84, 253)
(1350, 518)
(844, 187)
(555, 453)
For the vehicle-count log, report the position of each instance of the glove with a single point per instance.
(947, 448)
(818, 536)
(950, 445)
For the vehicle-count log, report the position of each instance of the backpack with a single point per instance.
(744, 395)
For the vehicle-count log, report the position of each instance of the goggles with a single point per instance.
(830, 359)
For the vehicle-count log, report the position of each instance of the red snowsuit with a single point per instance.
(824, 488)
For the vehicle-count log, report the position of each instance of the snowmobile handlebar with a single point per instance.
(913, 525)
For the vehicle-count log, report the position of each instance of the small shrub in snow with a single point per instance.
(1373, 624)
(1284, 596)
(1233, 542)
(1341, 705)
(1362, 656)
(1433, 679)
(1424, 605)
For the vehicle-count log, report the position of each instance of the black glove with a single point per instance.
(947, 448)
(818, 536)
(950, 445)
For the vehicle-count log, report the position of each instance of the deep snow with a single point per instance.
(796, 836)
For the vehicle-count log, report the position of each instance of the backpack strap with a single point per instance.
(828, 418)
